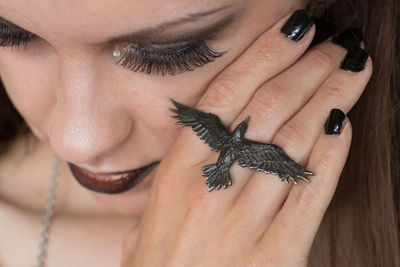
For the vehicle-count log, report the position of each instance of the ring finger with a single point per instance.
(298, 135)
(278, 100)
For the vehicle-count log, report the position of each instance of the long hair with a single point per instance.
(361, 225)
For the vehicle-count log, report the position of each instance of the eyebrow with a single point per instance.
(150, 34)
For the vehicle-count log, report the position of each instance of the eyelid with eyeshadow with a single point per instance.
(171, 61)
(160, 34)
(157, 57)
(175, 56)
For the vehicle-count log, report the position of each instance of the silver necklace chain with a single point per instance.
(48, 214)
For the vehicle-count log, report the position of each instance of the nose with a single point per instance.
(87, 120)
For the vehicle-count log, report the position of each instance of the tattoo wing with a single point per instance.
(206, 125)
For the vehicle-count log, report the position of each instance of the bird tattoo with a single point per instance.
(268, 158)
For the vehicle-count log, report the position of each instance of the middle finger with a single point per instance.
(263, 194)
(284, 95)
(341, 89)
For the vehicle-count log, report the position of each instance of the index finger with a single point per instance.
(275, 50)
(271, 53)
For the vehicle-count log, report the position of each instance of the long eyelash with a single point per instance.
(187, 58)
(11, 37)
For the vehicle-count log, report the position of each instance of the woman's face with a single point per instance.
(109, 117)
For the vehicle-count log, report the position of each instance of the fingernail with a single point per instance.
(348, 38)
(354, 60)
(297, 25)
(333, 125)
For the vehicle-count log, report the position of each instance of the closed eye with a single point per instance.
(14, 36)
(147, 52)
(166, 60)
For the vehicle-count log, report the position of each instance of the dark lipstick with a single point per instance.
(111, 183)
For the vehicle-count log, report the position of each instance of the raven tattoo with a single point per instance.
(263, 157)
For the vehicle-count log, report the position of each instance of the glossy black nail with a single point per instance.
(333, 124)
(348, 38)
(297, 25)
(354, 60)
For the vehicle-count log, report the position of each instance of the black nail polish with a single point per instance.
(348, 38)
(354, 60)
(333, 124)
(297, 25)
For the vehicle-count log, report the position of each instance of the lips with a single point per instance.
(111, 183)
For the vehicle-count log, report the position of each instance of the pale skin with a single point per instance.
(170, 218)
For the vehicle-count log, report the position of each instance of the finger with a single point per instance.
(270, 54)
(274, 104)
(284, 95)
(296, 225)
(230, 92)
(298, 135)
(341, 90)
(129, 245)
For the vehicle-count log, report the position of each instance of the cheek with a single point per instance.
(149, 106)
(27, 83)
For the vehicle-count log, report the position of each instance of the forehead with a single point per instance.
(97, 20)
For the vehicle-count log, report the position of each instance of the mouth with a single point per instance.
(111, 183)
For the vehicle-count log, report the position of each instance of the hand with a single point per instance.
(258, 221)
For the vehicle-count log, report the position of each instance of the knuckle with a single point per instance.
(335, 92)
(268, 48)
(307, 196)
(222, 92)
(291, 134)
(323, 59)
(335, 50)
(314, 196)
(268, 99)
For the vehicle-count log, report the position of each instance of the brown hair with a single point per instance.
(10, 120)
(361, 225)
